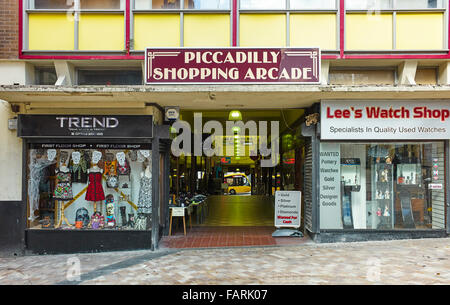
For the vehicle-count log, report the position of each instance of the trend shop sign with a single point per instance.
(386, 120)
(85, 126)
(232, 65)
(288, 209)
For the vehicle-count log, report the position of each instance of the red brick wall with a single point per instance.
(9, 29)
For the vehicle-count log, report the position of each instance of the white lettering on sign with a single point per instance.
(87, 122)
(387, 120)
(218, 57)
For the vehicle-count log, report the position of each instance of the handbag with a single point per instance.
(112, 181)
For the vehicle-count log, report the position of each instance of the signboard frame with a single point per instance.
(316, 56)
(295, 198)
(405, 124)
(84, 127)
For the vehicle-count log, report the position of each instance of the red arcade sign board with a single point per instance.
(232, 66)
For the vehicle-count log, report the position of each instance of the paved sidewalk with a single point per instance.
(424, 261)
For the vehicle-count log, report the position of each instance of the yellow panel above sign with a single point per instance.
(51, 32)
(369, 32)
(102, 32)
(420, 31)
(156, 30)
(313, 30)
(262, 30)
(207, 30)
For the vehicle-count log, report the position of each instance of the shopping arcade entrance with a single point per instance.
(238, 208)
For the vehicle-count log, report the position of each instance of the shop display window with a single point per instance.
(89, 187)
(382, 186)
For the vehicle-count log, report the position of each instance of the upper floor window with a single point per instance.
(419, 4)
(263, 5)
(389, 4)
(51, 4)
(82, 4)
(293, 4)
(102, 4)
(176, 4)
(313, 4)
(368, 4)
(109, 77)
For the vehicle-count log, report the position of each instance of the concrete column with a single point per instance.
(65, 73)
(444, 74)
(407, 73)
(325, 69)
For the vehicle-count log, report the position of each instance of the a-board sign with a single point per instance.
(178, 212)
(288, 209)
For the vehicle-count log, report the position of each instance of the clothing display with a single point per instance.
(145, 195)
(84, 188)
(95, 188)
(110, 168)
(63, 189)
(79, 171)
(124, 170)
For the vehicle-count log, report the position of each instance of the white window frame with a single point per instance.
(394, 12)
(288, 11)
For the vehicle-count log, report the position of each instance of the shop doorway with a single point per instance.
(230, 197)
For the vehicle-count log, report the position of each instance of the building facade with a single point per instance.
(75, 64)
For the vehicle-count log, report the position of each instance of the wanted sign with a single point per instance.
(288, 209)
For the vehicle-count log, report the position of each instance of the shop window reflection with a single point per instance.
(383, 186)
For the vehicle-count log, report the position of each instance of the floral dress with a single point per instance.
(145, 196)
(63, 188)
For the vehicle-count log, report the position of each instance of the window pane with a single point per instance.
(382, 186)
(359, 77)
(413, 4)
(207, 4)
(266, 4)
(109, 77)
(102, 4)
(156, 4)
(45, 76)
(368, 4)
(52, 4)
(313, 4)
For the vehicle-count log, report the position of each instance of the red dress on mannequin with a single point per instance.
(95, 188)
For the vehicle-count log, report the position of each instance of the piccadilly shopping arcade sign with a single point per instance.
(232, 65)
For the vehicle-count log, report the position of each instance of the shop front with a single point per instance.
(381, 169)
(91, 182)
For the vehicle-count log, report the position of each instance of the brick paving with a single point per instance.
(425, 261)
(211, 237)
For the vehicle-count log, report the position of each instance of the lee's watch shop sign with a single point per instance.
(232, 65)
(386, 120)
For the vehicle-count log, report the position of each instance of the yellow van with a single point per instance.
(237, 183)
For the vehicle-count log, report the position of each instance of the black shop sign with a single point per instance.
(85, 126)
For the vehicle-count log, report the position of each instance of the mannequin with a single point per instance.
(145, 200)
(94, 191)
(63, 188)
